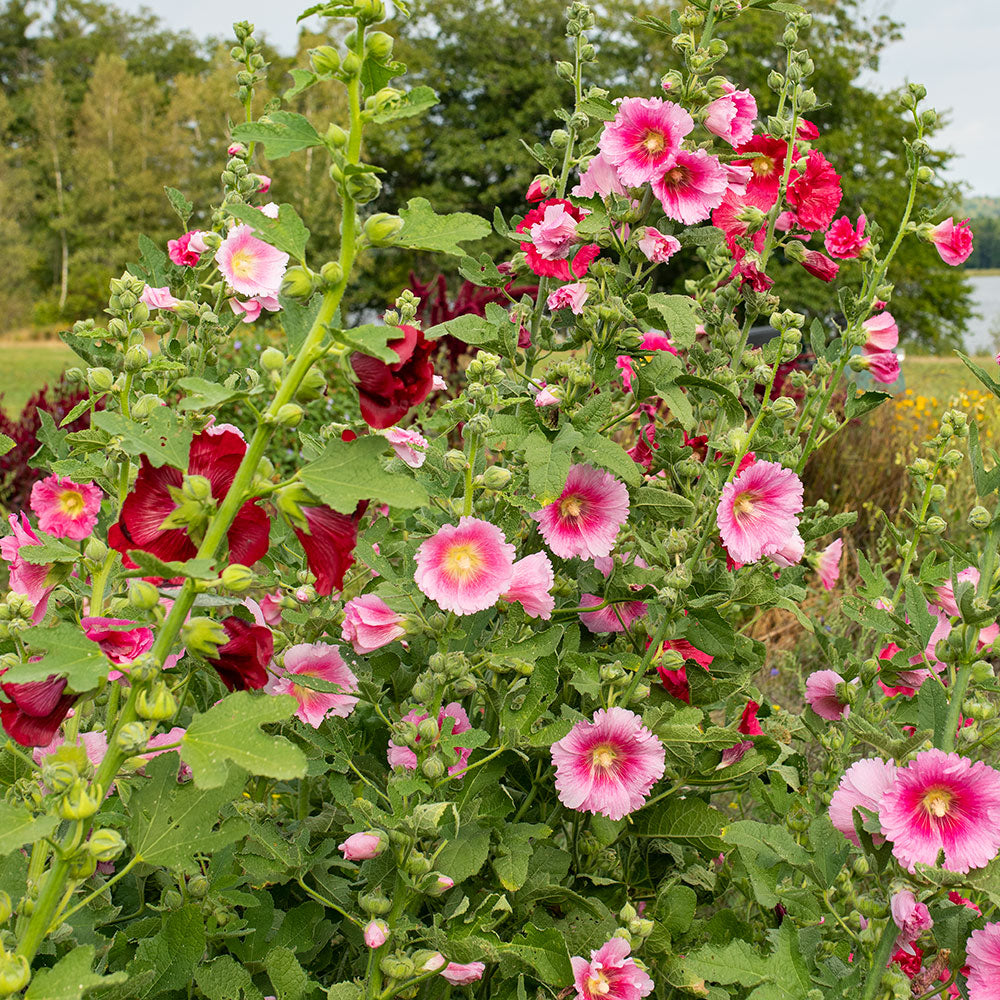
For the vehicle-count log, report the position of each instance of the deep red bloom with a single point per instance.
(35, 711)
(698, 445)
(807, 130)
(242, 662)
(387, 392)
(329, 544)
(214, 454)
(821, 266)
(642, 450)
(749, 725)
(765, 156)
(676, 681)
(815, 194)
(563, 269)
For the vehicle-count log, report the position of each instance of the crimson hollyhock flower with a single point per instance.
(215, 454)
(35, 711)
(749, 725)
(820, 266)
(329, 541)
(242, 662)
(765, 156)
(387, 392)
(815, 194)
(552, 227)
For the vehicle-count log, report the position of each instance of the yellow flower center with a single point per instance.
(653, 142)
(570, 506)
(598, 985)
(762, 166)
(744, 503)
(463, 561)
(71, 502)
(937, 801)
(241, 263)
(603, 756)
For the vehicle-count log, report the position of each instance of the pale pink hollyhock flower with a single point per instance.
(572, 296)
(186, 250)
(362, 846)
(791, 552)
(611, 974)
(404, 757)
(531, 582)
(66, 509)
(953, 243)
(119, 643)
(24, 577)
(408, 445)
(983, 950)
(251, 308)
(433, 962)
(614, 618)
(828, 564)
(164, 740)
(883, 334)
(692, 187)
(465, 567)
(158, 298)
(463, 975)
(376, 933)
(95, 745)
(444, 883)
(946, 592)
(609, 765)
(731, 116)
(883, 365)
(757, 511)
(600, 178)
(271, 608)
(862, 785)
(658, 247)
(737, 179)
(324, 662)
(438, 384)
(644, 138)
(263, 183)
(271, 210)
(546, 397)
(942, 801)
(554, 236)
(249, 265)
(822, 697)
(586, 518)
(369, 624)
(912, 919)
(845, 242)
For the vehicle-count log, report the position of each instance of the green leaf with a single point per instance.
(542, 689)
(172, 954)
(153, 262)
(549, 461)
(476, 330)
(229, 733)
(180, 205)
(343, 991)
(297, 319)
(287, 232)
(465, 854)
(612, 456)
(688, 820)
(375, 74)
(18, 827)
(416, 102)
(731, 406)
(733, 963)
(372, 340)
(48, 550)
(667, 504)
(980, 374)
(545, 952)
(677, 313)
(862, 403)
(483, 272)
(164, 440)
(282, 132)
(350, 471)
(303, 80)
(775, 843)
(67, 653)
(194, 569)
(986, 481)
(424, 229)
(7, 443)
(932, 709)
(71, 978)
(287, 977)
(225, 979)
(205, 395)
(515, 850)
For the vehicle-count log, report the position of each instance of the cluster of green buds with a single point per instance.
(633, 925)
(246, 53)
(16, 611)
(799, 68)
(404, 311)
(448, 676)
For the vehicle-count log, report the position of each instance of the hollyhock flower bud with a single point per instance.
(263, 183)
(374, 903)
(463, 975)
(428, 961)
(15, 972)
(540, 188)
(819, 265)
(382, 228)
(158, 298)
(79, 801)
(363, 846)
(657, 247)
(298, 283)
(376, 933)
(105, 845)
(369, 624)
(237, 579)
(952, 242)
(132, 738)
(186, 250)
(912, 919)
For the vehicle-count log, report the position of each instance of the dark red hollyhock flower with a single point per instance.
(676, 681)
(749, 725)
(35, 710)
(388, 392)
(816, 193)
(242, 662)
(214, 454)
(819, 265)
(564, 269)
(329, 544)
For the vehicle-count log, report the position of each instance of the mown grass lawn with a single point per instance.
(25, 366)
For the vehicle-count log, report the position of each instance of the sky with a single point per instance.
(952, 48)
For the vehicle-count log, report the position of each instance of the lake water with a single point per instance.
(986, 302)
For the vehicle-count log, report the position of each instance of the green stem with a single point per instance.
(880, 961)
(117, 877)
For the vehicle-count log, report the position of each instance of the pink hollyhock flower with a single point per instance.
(610, 974)
(862, 785)
(362, 846)
(531, 582)
(236, 149)
(820, 266)
(657, 247)
(463, 975)
(748, 724)
(433, 962)
(119, 643)
(24, 577)
(692, 187)
(263, 183)
(572, 297)
(912, 919)
(731, 116)
(757, 511)
(465, 567)
(609, 765)
(828, 564)
(271, 608)
(537, 190)
(322, 661)
(642, 451)
(600, 178)
(737, 177)
(408, 445)
(983, 950)
(550, 219)
(95, 745)
(251, 308)
(822, 697)
(586, 518)
(554, 234)
(404, 757)
(159, 298)
(946, 592)
(443, 883)
(791, 553)
(843, 241)
(815, 194)
(546, 397)
(883, 365)
(186, 250)
(883, 334)
(943, 802)
(959, 900)
(734, 754)
(376, 933)
(953, 243)
(807, 130)
(765, 156)
(66, 509)
(250, 265)
(615, 617)
(645, 138)
(369, 624)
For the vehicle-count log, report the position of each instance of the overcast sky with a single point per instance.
(952, 48)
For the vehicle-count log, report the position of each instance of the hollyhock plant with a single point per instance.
(35, 710)
(409, 445)
(459, 721)
(609, 765)
(983, 950)
(249, 265)
(692, 187)
(862, 785)
(328, 540)
(324, 662)
(241, 663)
(883, 365)
(458, 974)
(883, 334)
(586, 518)
(159, 298)
(186, 250)
(791, 552)
(828, 564)
(657, 247)
(24, 577)
(66, 509)
(531, 583)
(611, 974)
(845, 241)
(363, 846)
(912, 919)
(572, 296)
(387, 392)
(644, 138)
(732, 115)
(553, 224)
(369, 624)
(822, 697)
(952, 242)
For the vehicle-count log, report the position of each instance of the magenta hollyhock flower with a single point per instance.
(883, 334)
(572, 297)
(615, 617)
(35, 710)
(539, 189)
(328, 541)
(159, 298)
(731, 116)
(611, 974)
(24, 577)
(241, 663)
(362, 846)
(66, 509)
(651, 341)
(983, 950)
(692, 187)
(325, 662)
(263, 183)
(828, 564)
(820, 266)
(404, 757)
(676, 681)
(862, 785)
(822, 697)
(658, 247)
(387, 392)
(408, 444)
(586, 518)
(757, 511)
(946, 592)
(942, 801)
(748, 724)
(765, 156)
(608, 765)
(600, 178)
(250, 265)
(550, 219)
(883, 365)
(644, 138)
(119, 643)
(376, 933)
(465, 567)
(912, 919)
(186, 250)
(791, 553)
(462, 975)
(953, 243)
(815, 194)
(369, 624)
(531, 583)
(843, 240)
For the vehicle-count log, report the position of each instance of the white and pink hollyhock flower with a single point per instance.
(731, 116)
(250, 309)
(983, 950)
(325, 663)
(883, 365)
(658, 247)
(828, 564)
(611, 974)
(404, 757)
(66, 509)
(363, 846)
(757, 512)
(692, 187)
(608, 766)
(369, 624)
(531, 584)
(271, 210)
(159, 298)
(186, 250)
(644, 138)
(946, 592)
(24, 577)
(615, 617)
(953, 242)
(822, 697)
(465, 567)
(600, 178)
(409, 446)
(943, 802)
(249, 265)
(883, 334)
(588, 515)
(791, 553)
(554, 235)
(463, 975)
(912, 919)
(863, 784)
(845, 241)
(572, 296)
(376, 933)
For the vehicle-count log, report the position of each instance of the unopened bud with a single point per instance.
(332, 273)
(237, 578)
(136, 358)
(105, 845)
(979, 517)
(79, 802)
(935, 525)
(157, 703)
(203, 636)
(132, 738)
(272, 360)
(289, 415)
(100, 379)
(298, 283)
(197, 488)
(496, 478)
(382, 228)
(325, 59)
(5, 907)
(379, 45)
(15, 972)
(784, 407)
